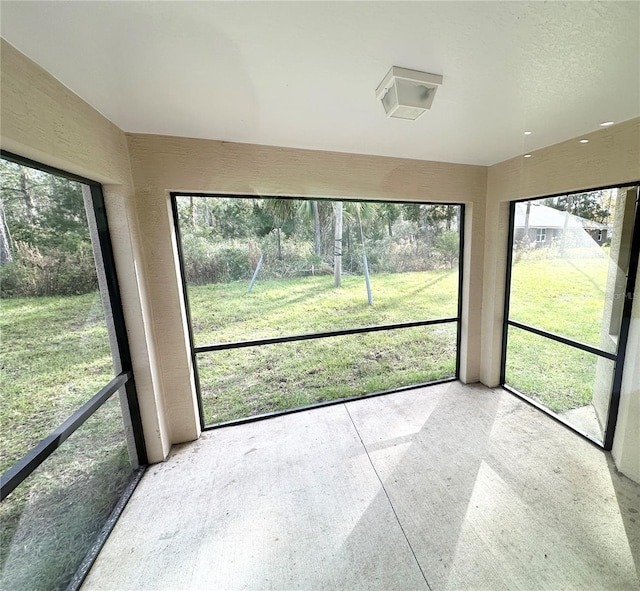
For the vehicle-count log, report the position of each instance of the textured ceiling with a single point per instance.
(303, 74)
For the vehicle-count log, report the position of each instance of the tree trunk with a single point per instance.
(526, 223)
(316, 228)
(5, 249)
(26, 195)
(337, 248)
(192, 213)
(279, 244)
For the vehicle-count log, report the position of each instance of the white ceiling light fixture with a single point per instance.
(407, 94)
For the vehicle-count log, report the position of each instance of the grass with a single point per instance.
(566, 297)
(244, 382)
(558, 376)
(55, 356)
(561, 295)
(52, 519)
(225, 312)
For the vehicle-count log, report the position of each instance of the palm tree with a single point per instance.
(310, 210)
(337, 244)
(281, 210)
(350, 210)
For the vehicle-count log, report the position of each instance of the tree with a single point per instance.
(349, 212)
(448, 245)
(594, 205)
(45, 244)
(337, 244)
(5, 248)
(317, 235)
(42, 210)
(389, 213)
(430, 219)
(309, 210)
(282, 212)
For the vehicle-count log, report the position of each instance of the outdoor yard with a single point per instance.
(48, 522)
(47, 374)
(559, 295)
(224, 312)
(242, 382)
(566, 297)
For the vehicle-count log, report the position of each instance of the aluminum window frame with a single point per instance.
(122, 380)
(618, 358)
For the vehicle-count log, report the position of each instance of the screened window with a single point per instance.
(296, 302)
(71, 441)
(569, 305)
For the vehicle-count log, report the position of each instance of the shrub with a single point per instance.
(286, 257)
(448, 246)
(212, 262)
(57, 272)
(408, 256)
(297, 260)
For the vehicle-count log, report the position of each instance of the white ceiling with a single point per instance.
(303, 74)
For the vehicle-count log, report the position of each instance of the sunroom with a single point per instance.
(259, 334)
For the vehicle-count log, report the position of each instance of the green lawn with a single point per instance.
(47, 374)
(565, 297)
(561, 296)
(50, 521)
(55, 356)
(244, 382)
(224, 312)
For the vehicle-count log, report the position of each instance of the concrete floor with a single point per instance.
(585, 419)
(447, 487)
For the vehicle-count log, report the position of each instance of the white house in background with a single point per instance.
(545, 225)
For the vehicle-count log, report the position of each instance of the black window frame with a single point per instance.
(123, 380)
(618, 358)
(195, 350)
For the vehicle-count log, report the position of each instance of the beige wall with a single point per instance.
(611, 157)
(626, 445)
(43, 120)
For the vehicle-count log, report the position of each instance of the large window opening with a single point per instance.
(299, 302)
(71, 443)
(571, 274)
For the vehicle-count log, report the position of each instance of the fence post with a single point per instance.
(255, 274)
(366, 279)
